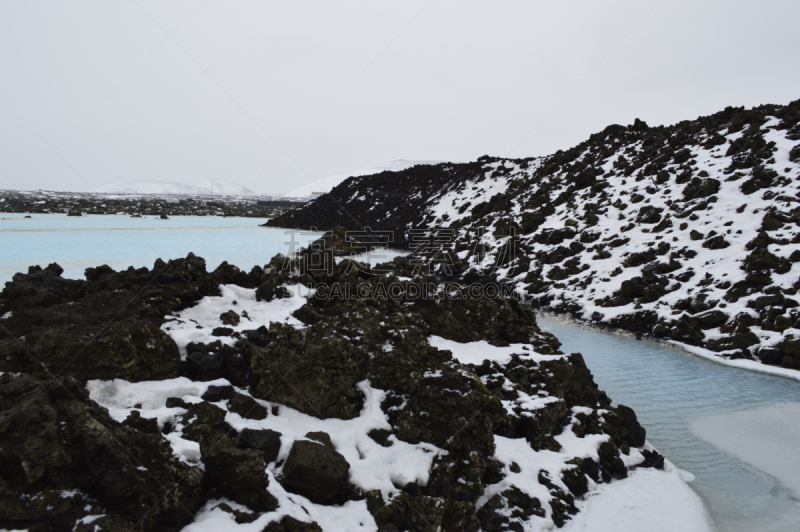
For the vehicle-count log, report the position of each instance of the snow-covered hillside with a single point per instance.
(146, 187)
(326, 184)
(688, 232)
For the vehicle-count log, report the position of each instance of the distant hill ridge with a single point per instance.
(147, 187)
(326, 184)
(689, 232)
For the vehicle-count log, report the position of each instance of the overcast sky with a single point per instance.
(274, 94)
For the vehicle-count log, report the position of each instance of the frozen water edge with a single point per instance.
(741, 433)
(647, 500)
(750, 365)
(670, 389)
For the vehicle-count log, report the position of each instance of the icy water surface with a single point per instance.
(120, 241)
(729, 427)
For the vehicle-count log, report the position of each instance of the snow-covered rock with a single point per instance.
(689, 232)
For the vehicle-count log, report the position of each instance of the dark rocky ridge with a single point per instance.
(688, 232)
(64, 458)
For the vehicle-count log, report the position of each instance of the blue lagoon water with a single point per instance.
(77, 243)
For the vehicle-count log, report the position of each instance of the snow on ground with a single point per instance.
(742, 433)
(326, 184)
(372, 466)
(477, 352)
(648, 500)
(447, 206)
(533, 463)
(197, 323)
(352, 516)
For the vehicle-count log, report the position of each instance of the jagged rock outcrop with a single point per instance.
(63, 458)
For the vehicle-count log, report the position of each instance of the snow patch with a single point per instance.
(647, 500)
(476, 352)
(197, 323)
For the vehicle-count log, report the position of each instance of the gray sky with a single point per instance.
(274, 94)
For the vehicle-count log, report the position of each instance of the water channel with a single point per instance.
(736, 431)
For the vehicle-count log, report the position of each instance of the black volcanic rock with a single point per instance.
(53, 438)
(315, 471)
(69, 442)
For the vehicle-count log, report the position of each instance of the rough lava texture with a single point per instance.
(687, 233)
(306, 413)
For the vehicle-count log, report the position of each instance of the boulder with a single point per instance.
(716, 242)
(298, 365)
(230, 318)
(205, 366)
(710, 319)
(246, 406)
(322, 437)
(649, 215)
(770, 355)
(290, 524)
(634, 433)
(652, 459)
(204, 413)
(315, 471)
(271, 290)
(264, 440)
(700, 188)
(737, 341)
(216, 393)
(222, 331)
(240, 474)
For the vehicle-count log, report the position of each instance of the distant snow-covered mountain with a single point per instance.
(149, 187)
(326, 184)
(226, 188)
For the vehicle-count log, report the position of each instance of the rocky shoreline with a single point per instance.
(151, 399)
(689, 232)
(78, 204)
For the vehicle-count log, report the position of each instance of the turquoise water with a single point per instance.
(120, 241)
(671, 390)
